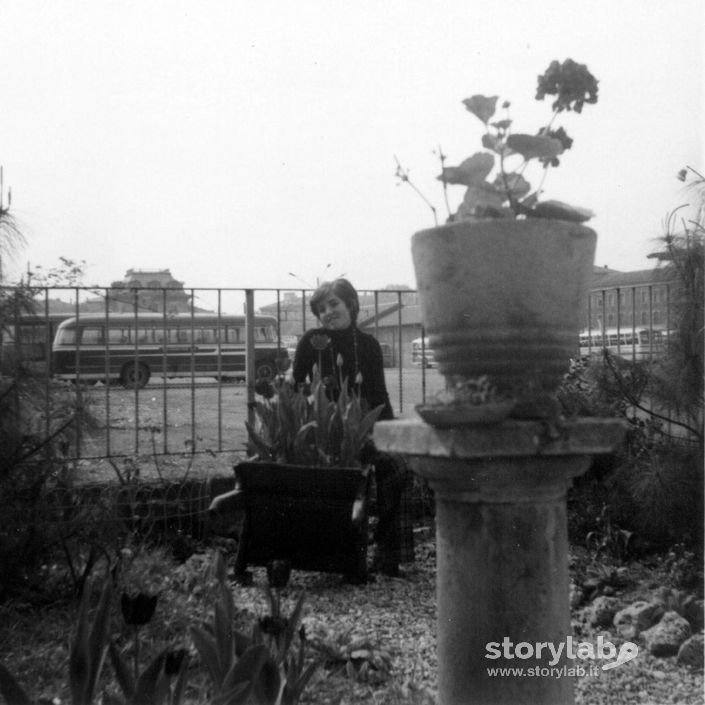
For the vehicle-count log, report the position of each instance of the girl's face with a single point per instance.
(334, 314)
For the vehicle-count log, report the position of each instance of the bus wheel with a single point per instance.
(134, 376)
(265, 370)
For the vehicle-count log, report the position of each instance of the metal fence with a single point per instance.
(104, 512)
(182, 415)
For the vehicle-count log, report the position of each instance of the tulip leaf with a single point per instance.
(147, 691)
(122, 671)
(247, 668)
(205, 645)
(220, 570)
(89, 646)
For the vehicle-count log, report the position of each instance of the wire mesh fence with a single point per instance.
(163, 370)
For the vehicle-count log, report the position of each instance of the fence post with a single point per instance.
(250, 352)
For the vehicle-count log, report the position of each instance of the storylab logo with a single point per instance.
(554, 653)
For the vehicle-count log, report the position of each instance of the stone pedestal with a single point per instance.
(502, 551)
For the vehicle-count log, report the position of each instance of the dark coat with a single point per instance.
(365, 358)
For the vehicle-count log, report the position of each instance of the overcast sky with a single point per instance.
(235, 142)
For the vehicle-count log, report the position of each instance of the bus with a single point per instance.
(129, 348)
(421, 354)
(27, 339)
(636, 343)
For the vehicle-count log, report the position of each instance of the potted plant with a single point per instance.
(304, 490)
(503, 284)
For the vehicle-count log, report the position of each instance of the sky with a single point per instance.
(253, 144)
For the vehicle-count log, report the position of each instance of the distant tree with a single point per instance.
(678, 376)
(654, 484)
(10, 236)
(35, 430)
(69, 273)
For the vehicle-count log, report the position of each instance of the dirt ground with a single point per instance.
(161, 425)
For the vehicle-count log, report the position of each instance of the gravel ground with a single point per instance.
(395, 618)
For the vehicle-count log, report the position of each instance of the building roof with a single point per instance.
(610, 279)
(603, 278)
(410, 316)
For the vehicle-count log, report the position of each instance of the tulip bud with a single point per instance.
(138, 610)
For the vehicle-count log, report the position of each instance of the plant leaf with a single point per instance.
(90, 646)
(535, 146)
(220, 570)
(223, 627)
(181, 680)
(472, 172)
(146, 691)
(122, 672)
(238, 695)
(266, 450)
(247, 668)
(561, 211)
(205, 645)
(483, 107)
(495, 144)
(482, 197)
(268, 685)
(518, 185)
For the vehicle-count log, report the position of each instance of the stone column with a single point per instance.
(502, 550)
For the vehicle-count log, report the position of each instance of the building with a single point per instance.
(626, 299)
(630, 299)
(148, 290)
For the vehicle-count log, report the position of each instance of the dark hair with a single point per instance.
(341, 288)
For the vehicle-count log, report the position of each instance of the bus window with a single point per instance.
(92, 336)
(234, 334)
(206, 335)
(66, 336)
(118, 336)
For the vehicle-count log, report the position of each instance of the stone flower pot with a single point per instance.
(504, 298)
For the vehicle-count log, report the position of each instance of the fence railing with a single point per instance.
(181, 411)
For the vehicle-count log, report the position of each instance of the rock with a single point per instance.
(637, 617)
(576, 595)
(603, 610)
(691, 652)
(693, 612)
(664, 638)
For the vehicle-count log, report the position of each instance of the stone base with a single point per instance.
(502, 550)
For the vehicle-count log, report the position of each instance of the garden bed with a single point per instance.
(378, 639)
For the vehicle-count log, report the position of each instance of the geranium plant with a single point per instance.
(494, 178)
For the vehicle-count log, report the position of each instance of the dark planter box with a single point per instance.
(316, 518)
